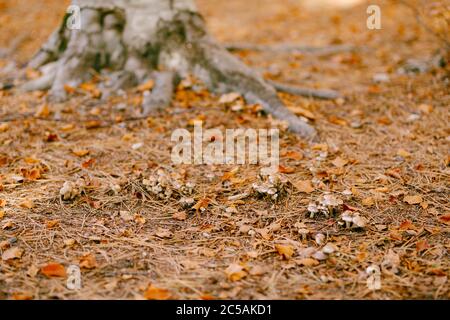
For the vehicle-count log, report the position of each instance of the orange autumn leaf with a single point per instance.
(80, 152)
(293, 155)
(287, 170)
(88, 261)
(54, 270)
(155, 293)
(445, 219)
(235, 272)
(422, 245)
(88, 163)
(285, 251)
(201, 205)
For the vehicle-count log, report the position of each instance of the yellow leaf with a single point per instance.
(81, 152)
(285, 251)
(368, 202)
(403, 153)
(27, 204)
(154, 293)
(4, 127)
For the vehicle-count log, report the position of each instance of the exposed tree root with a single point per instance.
(311, 93)
(290, 48)
(178, 47)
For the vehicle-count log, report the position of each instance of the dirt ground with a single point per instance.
(384, 151)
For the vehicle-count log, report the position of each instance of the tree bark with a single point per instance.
(132, 41)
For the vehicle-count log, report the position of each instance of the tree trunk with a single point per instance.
(131, 41)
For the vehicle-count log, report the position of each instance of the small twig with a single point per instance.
(305, 92)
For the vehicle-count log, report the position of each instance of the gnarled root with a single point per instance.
(179, 46)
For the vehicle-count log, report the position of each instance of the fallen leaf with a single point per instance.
(155, 293)
(201, 204)
(2, 214)
(126, 216)
(27, 204)
(413, 199)
(180, 216)
(4, 127)
(80, 152)
(54, 270)
(88, 261)
(422, 245)
(368, 202)
(403, 153)
(293, 155)
(445, 219)
(235, 272)
(2, 203)
(285, 251)
(22, 297)
(307, 262)
(286, 170)
(299, 111)
(425, 108)
(339, 162)
(52, 223)
(12, 253)
(304, 186)
(407, 225)
(164, 233)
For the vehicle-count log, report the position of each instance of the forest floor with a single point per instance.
(384, 152)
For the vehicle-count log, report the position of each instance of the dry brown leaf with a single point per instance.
(368, 202)
(88, 261)
(425, 108)
(339, 162)
(413, 199)
(285, 251)
(2, 203)
(54, 270)
(304, 186)
(307, 262)
(12, 253)
(147, 86)
(2, 214)
(180, 216)
(155, 293)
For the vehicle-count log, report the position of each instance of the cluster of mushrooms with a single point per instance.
(272, 186)
(164, 186)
